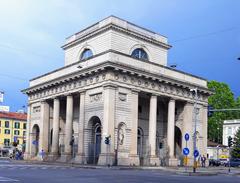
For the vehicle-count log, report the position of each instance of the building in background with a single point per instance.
(12, 128)
(217, 151)
(230, 128)
(115, 101)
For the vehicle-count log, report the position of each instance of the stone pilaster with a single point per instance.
(188, 128)
(153, 159)
(28, 141)
(204, 119)
(171, 132)
(80, 157)
(133, 156)
(107, 151)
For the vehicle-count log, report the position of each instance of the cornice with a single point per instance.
(117, 28)
(117, 68)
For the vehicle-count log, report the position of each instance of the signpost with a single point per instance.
(186, 151)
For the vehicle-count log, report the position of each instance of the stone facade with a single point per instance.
(143, 106)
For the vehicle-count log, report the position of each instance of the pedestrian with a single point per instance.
(203, 160)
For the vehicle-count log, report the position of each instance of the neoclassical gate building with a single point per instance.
(115, 83)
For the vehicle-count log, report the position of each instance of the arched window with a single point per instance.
(139, 53)
(87, 53)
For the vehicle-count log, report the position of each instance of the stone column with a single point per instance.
(55, 138)
(153, 160)
(44, 129)
(133, 156)
(28, 141)
(80, 158)
(107, 151)
(171, 132)
(68, 129)
(188, 128)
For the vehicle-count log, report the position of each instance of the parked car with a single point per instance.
(214, 162)
(234, 162)
(223, 161)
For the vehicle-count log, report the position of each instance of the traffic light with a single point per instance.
(230, 141)
(210, 110)
(107, 140)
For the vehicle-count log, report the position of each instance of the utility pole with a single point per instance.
(195, 128)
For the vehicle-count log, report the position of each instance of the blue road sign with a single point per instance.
(196, 153)
(35, 142)
(186, 136)
(185, 151)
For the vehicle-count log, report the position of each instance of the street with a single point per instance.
(36, 173)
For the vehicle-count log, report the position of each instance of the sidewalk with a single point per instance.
(208, 171)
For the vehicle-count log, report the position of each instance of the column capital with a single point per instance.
(172, 99)
(109, 86)
(190, 103)
(82, 91)
(135, 91)
(56, 97)
(153, 95)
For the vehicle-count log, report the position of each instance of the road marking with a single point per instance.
(5, 179)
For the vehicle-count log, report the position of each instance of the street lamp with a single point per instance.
(194, 90)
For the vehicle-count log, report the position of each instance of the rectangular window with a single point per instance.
(229, 131)
(6, 124)
(6, 131)
(6, 142)
(17, 125)
(24, 125)
(24, 133)
(16, 132)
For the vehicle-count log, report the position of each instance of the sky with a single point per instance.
(205, 36)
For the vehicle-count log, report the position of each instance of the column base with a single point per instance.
(122, 157)
(27, 156)
(154, 161)
(106, 159)
(172, 162)
(134, 160)
(53, 157)
(65, 158)
(80, 159)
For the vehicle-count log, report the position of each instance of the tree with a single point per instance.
(222, 98)
(235, 153)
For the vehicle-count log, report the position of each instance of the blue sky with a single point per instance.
(205, 36)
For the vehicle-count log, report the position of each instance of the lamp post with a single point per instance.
(195, 129)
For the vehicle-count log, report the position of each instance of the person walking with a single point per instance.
(203, 161)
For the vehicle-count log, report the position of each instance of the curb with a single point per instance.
(197, 173)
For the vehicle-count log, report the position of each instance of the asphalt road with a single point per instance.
(35, 173)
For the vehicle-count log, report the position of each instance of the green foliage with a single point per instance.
(222, 98)
(235, 153)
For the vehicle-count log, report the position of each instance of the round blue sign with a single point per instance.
(185, 151)
(35, 142)
(196, 153)
(186, 136)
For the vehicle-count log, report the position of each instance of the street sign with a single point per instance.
(186, 136)
(185, 151)
(196, 153)
(35, 142)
